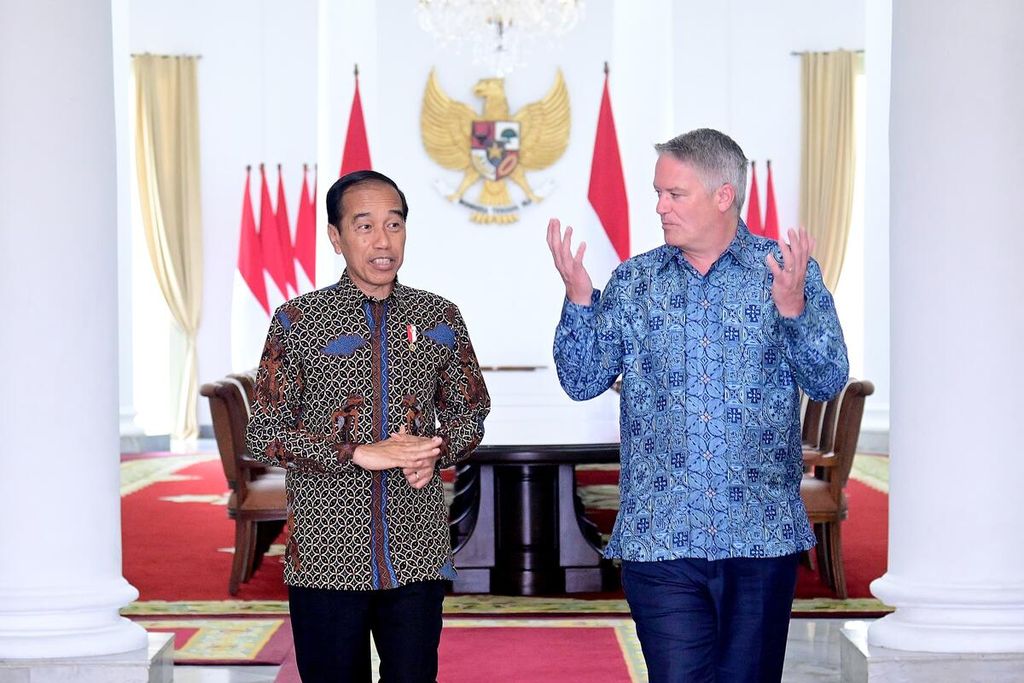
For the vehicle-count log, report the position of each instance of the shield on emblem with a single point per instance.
(494, 148)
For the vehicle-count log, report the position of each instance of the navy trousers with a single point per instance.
(722, 621)
(332, 630)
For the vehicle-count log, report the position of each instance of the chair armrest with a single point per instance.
(818, 459)
(248, 463)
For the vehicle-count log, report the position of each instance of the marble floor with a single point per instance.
(812, 656)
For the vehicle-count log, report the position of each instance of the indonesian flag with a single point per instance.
(277, 288)
(607, 193)
(305, 236)
(250, 310)
(754, 203)
(356, 156)
(771, 218)
(284, 236)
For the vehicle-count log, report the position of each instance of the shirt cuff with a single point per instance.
(574, 310)
(344, 451)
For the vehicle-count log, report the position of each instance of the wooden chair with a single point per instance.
(248, 381)
(819, 425)
(823, 492)
(257, 503)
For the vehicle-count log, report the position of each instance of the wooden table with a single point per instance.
(518, 526)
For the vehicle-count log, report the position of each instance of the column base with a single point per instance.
(153, 664)
(863, 663)
(951, 618)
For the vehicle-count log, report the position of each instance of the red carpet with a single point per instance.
(534, 651)
(865, 545)
(174, 531)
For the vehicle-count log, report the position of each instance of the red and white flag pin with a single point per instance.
(413, 335)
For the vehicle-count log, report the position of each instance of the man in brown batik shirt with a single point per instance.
(366, 389)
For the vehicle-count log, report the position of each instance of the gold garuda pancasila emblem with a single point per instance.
(494, 146)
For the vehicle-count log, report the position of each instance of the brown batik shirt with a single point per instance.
(340, 369)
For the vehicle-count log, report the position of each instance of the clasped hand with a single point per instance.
(415, 455)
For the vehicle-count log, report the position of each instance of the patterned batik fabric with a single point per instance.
(710, 406)
(341, 369)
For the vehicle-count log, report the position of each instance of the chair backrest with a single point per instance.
(247, 380)
(222, 430)
(819, 423)
(829, 416)
(847, 432)
(230, 413)
(238, 408)
(810, 430)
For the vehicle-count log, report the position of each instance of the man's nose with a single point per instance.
(662, 207)
(382, 238)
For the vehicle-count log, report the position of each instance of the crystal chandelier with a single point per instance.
(497, 29)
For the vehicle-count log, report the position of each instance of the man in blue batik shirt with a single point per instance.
(714, 334)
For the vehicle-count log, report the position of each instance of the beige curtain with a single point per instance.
(827, 155)
(167, 164)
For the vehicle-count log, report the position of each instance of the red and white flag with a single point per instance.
(305, 236)
(771, 217)
(277, 286)
(356, 156)
(250, 310)
(284, 236)
(607, 193)
(754, 203)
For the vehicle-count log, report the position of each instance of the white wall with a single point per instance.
(734, 72)
(674, 66)
(257, 103)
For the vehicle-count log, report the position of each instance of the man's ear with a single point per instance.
(334, 234)
(725, 197)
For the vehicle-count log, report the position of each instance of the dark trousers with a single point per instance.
(331, 629)
(723, 621)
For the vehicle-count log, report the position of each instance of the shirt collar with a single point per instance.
(743, 248)
(348, 289)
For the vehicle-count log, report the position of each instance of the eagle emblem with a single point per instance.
(494, 146)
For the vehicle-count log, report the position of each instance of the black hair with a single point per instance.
(336, 195)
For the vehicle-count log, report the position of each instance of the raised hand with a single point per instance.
(788, 288)
(578, 285)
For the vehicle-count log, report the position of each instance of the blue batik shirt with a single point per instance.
(710, 411)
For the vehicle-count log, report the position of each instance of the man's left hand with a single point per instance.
(418, 477)
(788, 288)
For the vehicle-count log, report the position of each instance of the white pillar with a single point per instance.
(60, 568)
(877, 333)
(129, 429)
(956, 557)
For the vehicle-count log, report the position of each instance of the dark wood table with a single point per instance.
(518, 526)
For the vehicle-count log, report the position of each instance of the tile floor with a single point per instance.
(812, 656)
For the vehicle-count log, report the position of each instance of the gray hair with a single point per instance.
(715, 156)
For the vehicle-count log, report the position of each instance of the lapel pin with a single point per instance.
(412, 334)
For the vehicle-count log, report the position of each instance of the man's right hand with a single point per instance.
(399, 450)
(578, 285)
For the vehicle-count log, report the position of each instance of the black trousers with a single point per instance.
(724, 621)
(332, 628)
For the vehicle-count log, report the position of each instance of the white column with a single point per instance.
(122, 98)
(877, 69)
(60, 567)
(956, 556)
